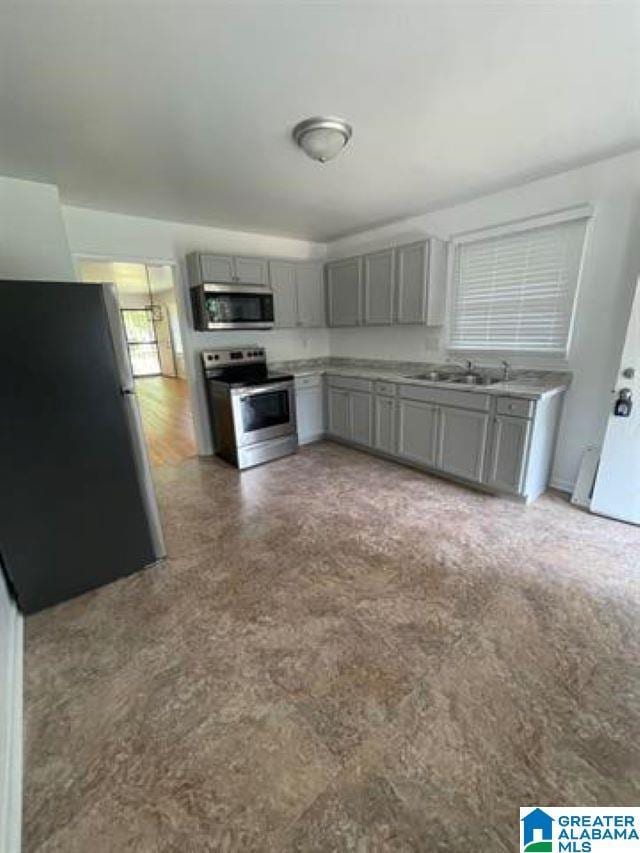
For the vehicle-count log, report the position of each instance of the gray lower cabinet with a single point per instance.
(417, 431)
(462, 443)
(509, 454)
(344, 292)
(361, 417)
(309, 408)
(379, 288)
(338, 413)
(385, 424)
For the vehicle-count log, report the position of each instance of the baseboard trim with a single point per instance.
(11, 721)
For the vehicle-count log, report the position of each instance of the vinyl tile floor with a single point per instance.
(340, 654)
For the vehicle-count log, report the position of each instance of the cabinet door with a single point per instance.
(344, 293)
(462, 442)
(338, 412)
(216, 269)
(311, 308)
(361, 417)
(309, 413)
(412, 264)
(251, 270)
(385, 424)
(283, 283)
(417, 431)
(379, 288)
(509, 454)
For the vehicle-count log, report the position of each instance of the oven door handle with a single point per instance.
(245, 393)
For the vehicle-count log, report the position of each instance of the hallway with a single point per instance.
(166, 418)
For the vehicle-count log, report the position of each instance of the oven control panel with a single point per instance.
(226, 356)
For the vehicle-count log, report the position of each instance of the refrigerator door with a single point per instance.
(134, 421)
(74, 511)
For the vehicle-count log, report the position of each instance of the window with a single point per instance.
(515, 292)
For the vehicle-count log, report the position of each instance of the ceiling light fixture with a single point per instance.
(322, 137)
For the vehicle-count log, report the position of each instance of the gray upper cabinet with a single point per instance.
(298, 288)
(214, 268)
(399, 285)
(282, 276)
(379, 288)
(412, 265)
(417, 431)
(220, 269)
(344, 292)
(509, 454)
(462, 442)
(310, 286)
(251, 271)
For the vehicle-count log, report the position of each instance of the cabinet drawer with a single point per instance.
(351, 383)
(308, 381)
(445, 397)
(516, 406)
(386, 388)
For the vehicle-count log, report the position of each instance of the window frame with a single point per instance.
(578, 212)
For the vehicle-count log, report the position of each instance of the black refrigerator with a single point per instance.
(77, 505)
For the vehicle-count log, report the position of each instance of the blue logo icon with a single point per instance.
(537, 832)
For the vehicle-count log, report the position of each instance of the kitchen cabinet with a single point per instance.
(385, 424)
(310, 291)
(417, 431)
(282, 278)
(412, 271)
(398, 285)
(509, 454)
(462, 442)
(206, 267)
(361, 417)
(344, 292)
(379, 288)
(462, 434)
(298, 289)
(309, 408)
(338, 413)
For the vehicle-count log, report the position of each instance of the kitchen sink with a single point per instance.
(455, 378)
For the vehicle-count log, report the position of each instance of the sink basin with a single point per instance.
(454, 378)
(473, 379)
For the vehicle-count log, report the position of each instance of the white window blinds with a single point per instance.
(516, 292)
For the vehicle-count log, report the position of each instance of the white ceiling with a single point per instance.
(183, 110)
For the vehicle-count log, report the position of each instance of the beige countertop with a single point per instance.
(530, 384)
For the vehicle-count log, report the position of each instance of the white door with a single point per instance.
(616, 491)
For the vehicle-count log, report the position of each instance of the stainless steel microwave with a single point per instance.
(232, 306)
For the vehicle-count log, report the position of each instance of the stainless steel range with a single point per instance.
(253, 412)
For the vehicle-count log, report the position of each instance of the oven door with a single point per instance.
(236, 307)
(263, 412)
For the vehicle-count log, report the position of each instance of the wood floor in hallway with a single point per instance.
(166, 418)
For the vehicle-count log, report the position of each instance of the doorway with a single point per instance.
(149, 312)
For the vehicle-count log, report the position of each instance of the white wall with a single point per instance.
(33, 241)
(99, 234)
(611, 265)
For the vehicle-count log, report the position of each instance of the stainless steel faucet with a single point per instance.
(506, 371)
